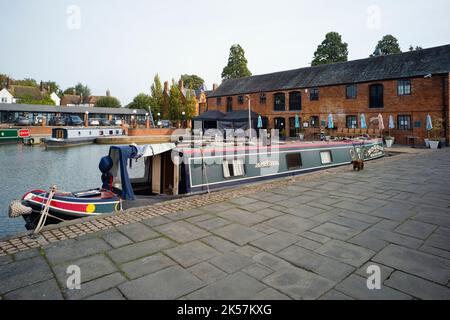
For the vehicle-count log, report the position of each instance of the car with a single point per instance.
(117, 122)
(58, 121)
(165, 123)
(74, 121)
(94, 122)
(105, 122)
(23, 121)
(38, 120)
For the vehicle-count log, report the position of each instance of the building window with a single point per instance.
(376, 99)
(233, 168)
(325, 157)
(219, 101)
(352, 122)
(279, 103)
(404, 87)
(229, 104)
(4, 100)
(351, 91)
(240, 99)
(262, 98)
(294, 161)
(314, 121)
(404, 122)
(314, 94)
(295, 101)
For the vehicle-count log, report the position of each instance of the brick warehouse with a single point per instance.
(407, 86)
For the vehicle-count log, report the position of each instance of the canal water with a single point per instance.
(24, 168)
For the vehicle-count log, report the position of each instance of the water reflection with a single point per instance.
(24, 168)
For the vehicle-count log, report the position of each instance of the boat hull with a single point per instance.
(8, 136)
(67, 207)
(272, 163)
(65, 143)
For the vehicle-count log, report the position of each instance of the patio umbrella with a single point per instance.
(429, 123)
(297, 122)
(391, 122)
(363, 121)
(330, 121)
(260, 124)
(380, 122)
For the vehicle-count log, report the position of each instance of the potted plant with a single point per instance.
(389, 141)
(435, 134)
(301, 134)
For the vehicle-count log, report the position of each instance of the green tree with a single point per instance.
(190, 104)
(237, 64)
(175, 102)
(411, 48)
(53, 86)
(192, 81)
(156, 95)
(388, 45)
(3, 80)
(108, 102)
(331, 50)
(28, 99)
(82, 90)
(26, 82)
(141, 101)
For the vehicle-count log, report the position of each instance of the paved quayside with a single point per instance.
(311, 237)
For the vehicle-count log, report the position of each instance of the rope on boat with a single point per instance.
(44, 212)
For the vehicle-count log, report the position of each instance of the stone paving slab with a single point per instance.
(306, 237)
(170, 283)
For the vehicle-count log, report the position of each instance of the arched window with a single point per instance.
(376, 96)
(295, 101)
(279, 101)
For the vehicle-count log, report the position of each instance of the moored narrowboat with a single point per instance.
(13, 135)
(141, 175)
(69, 137)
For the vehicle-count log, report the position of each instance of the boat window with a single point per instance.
(111, 132)
(294, 161)
(79, 133)
(117, 131)
(233, 168)
(101, 132)
(325, 157)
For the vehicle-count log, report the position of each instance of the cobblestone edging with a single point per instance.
(51, 234)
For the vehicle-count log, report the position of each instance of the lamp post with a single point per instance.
(159, 119)
(135, 119)
(147, 121)
(86, 118)
(183, 116)
(249, 118)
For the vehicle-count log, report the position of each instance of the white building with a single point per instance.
(6, 96)
(55, 98)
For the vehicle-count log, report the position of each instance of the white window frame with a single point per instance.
(238, 167)
(326, 157)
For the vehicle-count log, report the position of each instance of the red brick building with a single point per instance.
(407, 86)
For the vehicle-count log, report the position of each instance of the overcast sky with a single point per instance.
(120, 44)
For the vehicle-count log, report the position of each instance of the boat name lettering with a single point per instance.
(267, 164)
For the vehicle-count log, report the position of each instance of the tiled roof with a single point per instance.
(409, 64)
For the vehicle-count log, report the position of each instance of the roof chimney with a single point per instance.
(8, 83)
(166, 86)
(215, 86)
(181, 84)
(41, 86)
(74, 92)
(108, 93)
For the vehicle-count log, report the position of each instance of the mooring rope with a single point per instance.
(44, 212)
